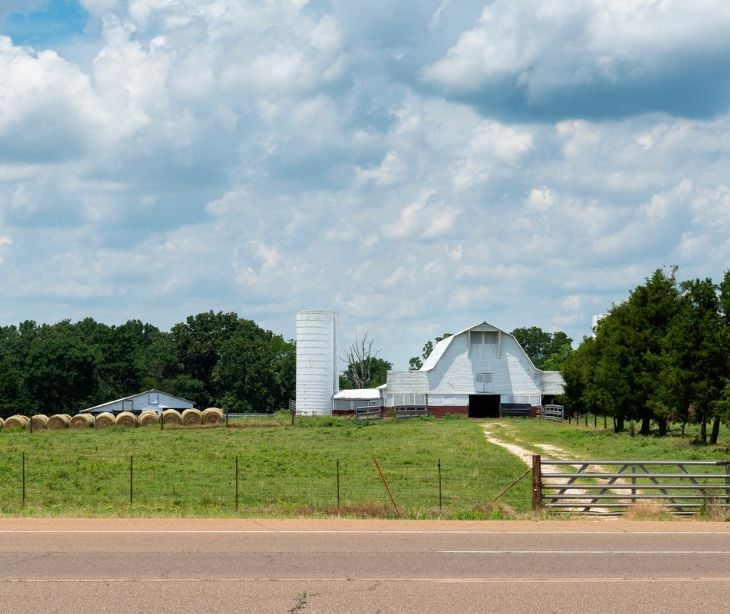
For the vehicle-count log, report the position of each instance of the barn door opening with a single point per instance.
(484, 406)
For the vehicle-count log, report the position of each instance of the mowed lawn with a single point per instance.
(263, 467)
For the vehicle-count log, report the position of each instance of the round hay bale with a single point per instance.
(58, 422)
(126, 418)
(82, 421)
(171, 417)
(148, 417)
(213, 415)
(192, 417)
(1, 423)
(39, 422)
(104, 419)
(17, 422)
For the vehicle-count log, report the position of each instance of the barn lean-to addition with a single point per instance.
(481, 371)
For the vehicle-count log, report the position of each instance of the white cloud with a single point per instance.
(265, 157)
(389, 170)
(544, 52)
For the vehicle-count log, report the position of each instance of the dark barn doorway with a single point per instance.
(484, 406)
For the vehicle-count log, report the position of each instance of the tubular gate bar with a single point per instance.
(610, 487)
(552, 412)
(368, 412)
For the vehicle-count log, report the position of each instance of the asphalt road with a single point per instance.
(133, 565)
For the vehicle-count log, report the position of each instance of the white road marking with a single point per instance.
(591, 552)
(382, 580)
(567, 532)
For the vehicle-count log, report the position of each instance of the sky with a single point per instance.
(418, 166)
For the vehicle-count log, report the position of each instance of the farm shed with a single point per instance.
(349, 401)
(481, 371)
(154, 400)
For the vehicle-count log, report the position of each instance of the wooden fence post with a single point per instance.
(536, 483)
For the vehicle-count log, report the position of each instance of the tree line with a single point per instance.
(213, 359)
(662, 355)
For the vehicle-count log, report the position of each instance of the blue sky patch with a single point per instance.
(52, 22)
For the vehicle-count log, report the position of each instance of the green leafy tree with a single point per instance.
(546, 350)
(627, 358)
(243, 378)
(697, 353)
(378, 374)
(60, 374)
(11, 389)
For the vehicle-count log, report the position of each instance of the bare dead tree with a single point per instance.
(359, 358)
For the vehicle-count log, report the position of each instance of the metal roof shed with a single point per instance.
(156, 400)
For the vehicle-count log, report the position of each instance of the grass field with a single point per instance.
(282, 470)
(264, 466)
(587, 442)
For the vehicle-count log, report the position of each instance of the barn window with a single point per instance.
(153, 398)
(483, 382)
(408, 400)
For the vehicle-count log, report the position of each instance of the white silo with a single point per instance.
(317, 377)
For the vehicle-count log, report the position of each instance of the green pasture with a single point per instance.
(263, 466)
(596, 443)
(267, 467)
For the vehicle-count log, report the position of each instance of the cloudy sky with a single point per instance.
(419, 166)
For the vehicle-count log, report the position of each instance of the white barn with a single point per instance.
(155, 400)
(481, 371)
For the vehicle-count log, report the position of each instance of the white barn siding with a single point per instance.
(511, 371)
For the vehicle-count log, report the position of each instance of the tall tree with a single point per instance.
(60, 374)
(546, 350)
(364, 368)
(698, 354)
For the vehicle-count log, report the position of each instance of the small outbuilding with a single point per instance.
(348, 402)
(154, 400)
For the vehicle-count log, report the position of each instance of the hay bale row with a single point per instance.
(170, 417)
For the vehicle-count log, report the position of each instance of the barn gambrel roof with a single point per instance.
(552, 381)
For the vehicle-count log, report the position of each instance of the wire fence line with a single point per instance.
(45, 481)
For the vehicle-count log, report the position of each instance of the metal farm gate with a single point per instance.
(610, 487)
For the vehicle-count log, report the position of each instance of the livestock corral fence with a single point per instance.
(610, 487)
